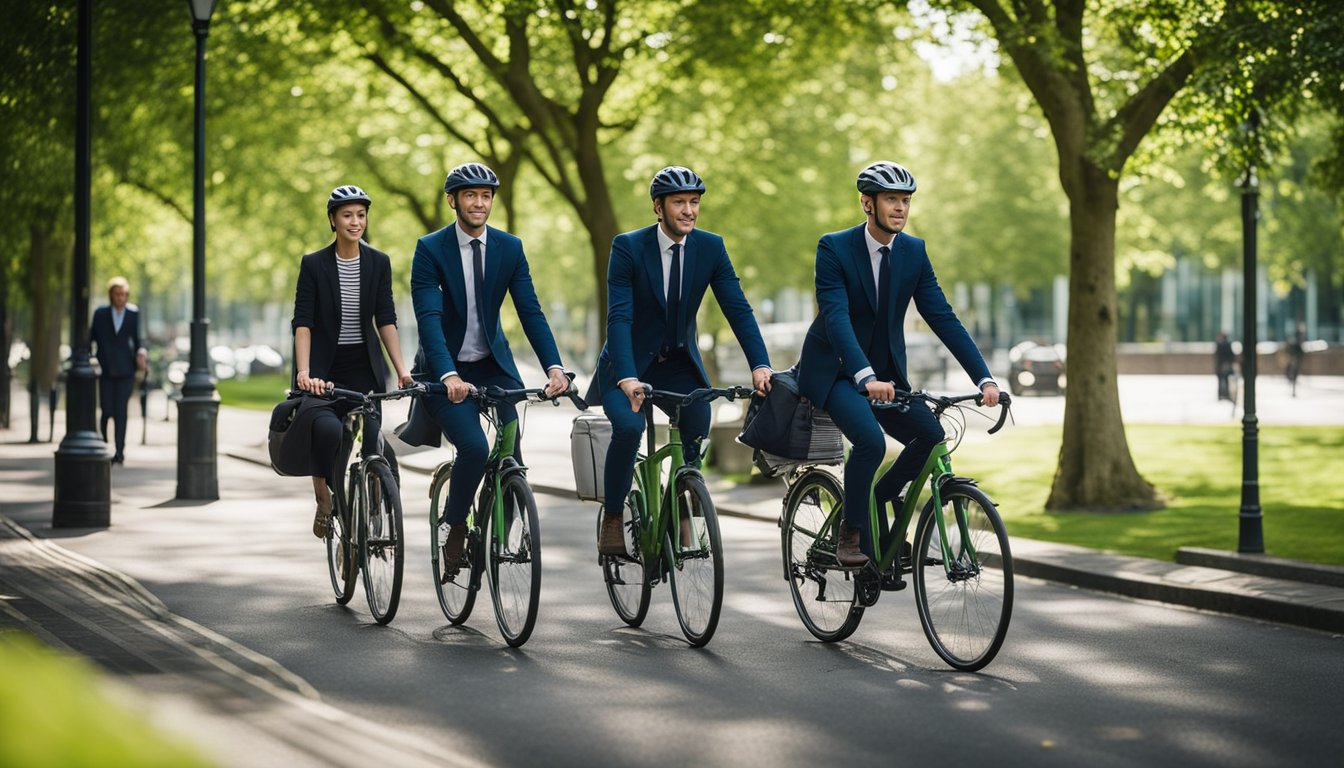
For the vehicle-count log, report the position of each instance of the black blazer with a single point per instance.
(116, 349)
(317, 307)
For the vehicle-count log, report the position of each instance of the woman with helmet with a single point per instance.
(459, 278)
(656, 279)
(342, 308)
(854, 351)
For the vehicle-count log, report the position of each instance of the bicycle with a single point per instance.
(503, 538)
(960, 561)
(688, 554)
(365, 533)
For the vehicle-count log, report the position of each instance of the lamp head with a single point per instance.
(201, 10)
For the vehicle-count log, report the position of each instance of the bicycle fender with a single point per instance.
(953, 482)
(442, 474)
(510, 469)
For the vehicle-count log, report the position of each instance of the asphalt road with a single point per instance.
(1084, 678)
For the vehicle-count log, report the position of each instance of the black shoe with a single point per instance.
(119, 459)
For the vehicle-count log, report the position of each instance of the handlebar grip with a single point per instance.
(1004, 402)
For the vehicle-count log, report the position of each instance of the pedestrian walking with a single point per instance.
(656, 278)
(1224, 364)
(115, 334)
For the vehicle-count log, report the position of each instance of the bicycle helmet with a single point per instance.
(674, 179)
(470, 175)
(885, 176)
(345, 195)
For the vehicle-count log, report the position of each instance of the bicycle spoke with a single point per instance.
(823, 594)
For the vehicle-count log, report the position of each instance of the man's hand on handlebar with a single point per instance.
(880, 391)
(457, 389)
(558, 383)
(634, 390)
(989, 394)
(760, 380)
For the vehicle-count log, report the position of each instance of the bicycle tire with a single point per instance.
(382, 542)
(457, 595)
(824, 594)
(514, 568)
(965, 613)
(626, 578)
(342, 560)
(695, 567)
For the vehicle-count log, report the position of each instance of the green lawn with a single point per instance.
(1198, 469)
(54, 711)
(257, 393)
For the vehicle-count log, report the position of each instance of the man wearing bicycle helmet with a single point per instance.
(656, 279)
(459, 277)
(342, 308)
(854, 351)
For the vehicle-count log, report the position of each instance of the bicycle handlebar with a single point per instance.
(492, 395)
(337, 393)
(940, 403)
(703, 394)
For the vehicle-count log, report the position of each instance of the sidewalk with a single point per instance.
(244, 709)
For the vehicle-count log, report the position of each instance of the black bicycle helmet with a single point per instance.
(885, 176)
(674, 179)
(345, 195)
(470, 175)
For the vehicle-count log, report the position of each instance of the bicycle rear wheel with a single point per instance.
(382, 545)
(627, 583)
(513, 560)
(342, 560)
(825, 595)
(964, 605)
(456, 592)
(695, 554)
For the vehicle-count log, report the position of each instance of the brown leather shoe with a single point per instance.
(611, 541)
(848, 552)
(453, 549)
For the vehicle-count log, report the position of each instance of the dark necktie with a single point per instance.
(478, 270)
(673, 301)
(880, 351)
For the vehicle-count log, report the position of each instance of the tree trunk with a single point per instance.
(1096, 471)
(599, 218)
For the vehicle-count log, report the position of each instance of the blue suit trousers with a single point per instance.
(461, 424)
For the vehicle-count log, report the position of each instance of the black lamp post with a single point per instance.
(198, 410)
(1251, 537)
(83, 494)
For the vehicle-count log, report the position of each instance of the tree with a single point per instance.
(1103, 73)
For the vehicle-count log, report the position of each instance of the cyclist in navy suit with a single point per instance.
(651, 330)
(459, 277)
(854, 351)
(115, 333)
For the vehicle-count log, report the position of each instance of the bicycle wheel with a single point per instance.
(382, 546)
(696, 561)
(456, 592)
(342, 563)
(964, 605)
(627, 584)
(824, 594)
(513, 560)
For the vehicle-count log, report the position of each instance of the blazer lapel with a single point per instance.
(863, 263)
(653, 266)
(451, 258)
(493, 256)
(333, 277)
(366, 280)
(689, 254)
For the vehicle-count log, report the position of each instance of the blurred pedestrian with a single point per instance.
(1294, 365)
(115, 333)
(342, 308)
(1224, 362)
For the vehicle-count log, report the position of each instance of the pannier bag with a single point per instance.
(786, 429)
(282, 416)
(588, 442)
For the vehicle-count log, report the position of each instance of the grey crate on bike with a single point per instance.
(588, 446)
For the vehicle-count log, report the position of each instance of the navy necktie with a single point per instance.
(478, 271)
(880, 351)
(673, 300)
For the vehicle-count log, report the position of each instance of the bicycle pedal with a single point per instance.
(893, 583)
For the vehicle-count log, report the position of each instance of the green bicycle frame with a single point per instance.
(937, 469)
(506, 442)
(649, 483)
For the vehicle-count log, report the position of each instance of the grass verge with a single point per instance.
(256, 393)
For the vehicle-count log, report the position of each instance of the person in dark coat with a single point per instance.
(115, 335)
(1224, 364)
(342, 309)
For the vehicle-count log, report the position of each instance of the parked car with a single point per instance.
(1035, 367)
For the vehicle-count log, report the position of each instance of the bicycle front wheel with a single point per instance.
(627, 583)
(513, 560)
(342, 559)
(695, 556)
(966, 598)
(825, 595)
(457, 590)
(383, 546)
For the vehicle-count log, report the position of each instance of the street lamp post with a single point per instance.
(1251, 537)
(83, 494)
(198, 410)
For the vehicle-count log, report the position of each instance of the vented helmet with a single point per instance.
(674, 179)
(470, 175)
(345, 195)
(885, 176)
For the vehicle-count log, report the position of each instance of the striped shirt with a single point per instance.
(349, 272)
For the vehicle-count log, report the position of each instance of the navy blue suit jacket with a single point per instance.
(847, 312)
(439, 293)
(637, 305)
(317, 307)
(115, 349)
